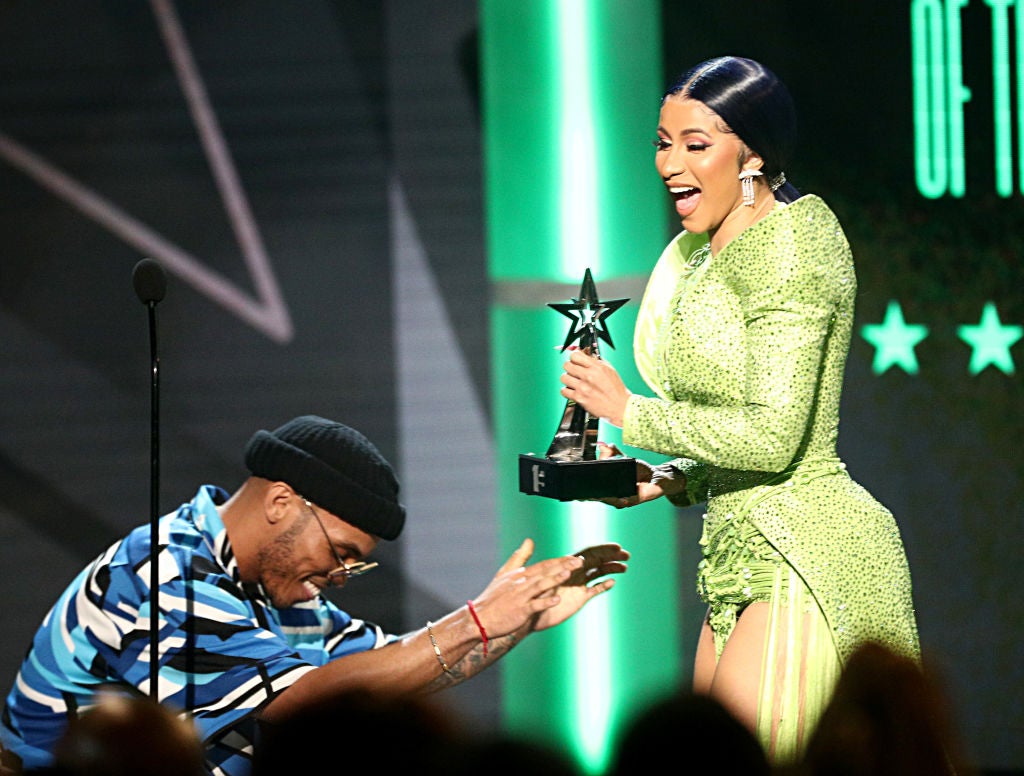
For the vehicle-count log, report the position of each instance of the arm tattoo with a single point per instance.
(472, 663)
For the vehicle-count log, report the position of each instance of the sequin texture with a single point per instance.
(746, 359)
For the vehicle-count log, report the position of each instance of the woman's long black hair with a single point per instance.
(754, 103)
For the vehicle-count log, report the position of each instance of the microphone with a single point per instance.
(150, 285)
(150, 281)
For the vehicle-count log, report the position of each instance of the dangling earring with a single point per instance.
(747, 185)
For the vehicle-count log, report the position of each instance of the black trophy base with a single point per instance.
(574, 480)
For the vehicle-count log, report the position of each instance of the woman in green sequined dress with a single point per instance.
(742, 336)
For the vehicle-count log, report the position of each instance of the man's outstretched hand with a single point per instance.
(599, 561)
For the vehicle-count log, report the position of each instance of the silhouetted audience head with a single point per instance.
(508, 754)
(129, 736)
(402, 734)
(690, 731)
(888, 715)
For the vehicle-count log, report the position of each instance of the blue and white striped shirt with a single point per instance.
(225, 651)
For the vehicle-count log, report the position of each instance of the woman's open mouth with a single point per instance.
(686, 198)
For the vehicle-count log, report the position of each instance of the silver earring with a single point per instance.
(747, 185)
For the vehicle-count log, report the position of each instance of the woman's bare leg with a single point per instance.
(705, 661)
(737, 677)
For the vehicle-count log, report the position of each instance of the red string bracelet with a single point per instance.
(483, 633)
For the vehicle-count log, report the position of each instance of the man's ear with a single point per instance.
(278, 502)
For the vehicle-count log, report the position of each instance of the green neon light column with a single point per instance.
(570, 104)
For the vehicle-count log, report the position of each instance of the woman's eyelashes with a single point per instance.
(661, 144)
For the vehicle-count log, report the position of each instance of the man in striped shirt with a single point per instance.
(244, 632)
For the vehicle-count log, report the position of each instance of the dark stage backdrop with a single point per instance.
(309, 174)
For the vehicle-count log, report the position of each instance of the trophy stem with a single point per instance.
(576, 438)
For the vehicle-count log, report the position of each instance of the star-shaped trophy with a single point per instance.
(571, 469)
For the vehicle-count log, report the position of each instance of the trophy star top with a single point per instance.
(588, 313)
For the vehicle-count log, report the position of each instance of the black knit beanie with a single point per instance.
(335, 467)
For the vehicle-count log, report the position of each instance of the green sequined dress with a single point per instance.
(745, 351)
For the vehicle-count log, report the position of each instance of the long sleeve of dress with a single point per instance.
(747, 348)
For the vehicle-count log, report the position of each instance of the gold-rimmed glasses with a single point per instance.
(345, 571)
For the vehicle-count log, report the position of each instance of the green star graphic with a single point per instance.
(990, 341)
(894, 340)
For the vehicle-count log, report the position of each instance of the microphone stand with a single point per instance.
(154, 509)
(150, 283)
